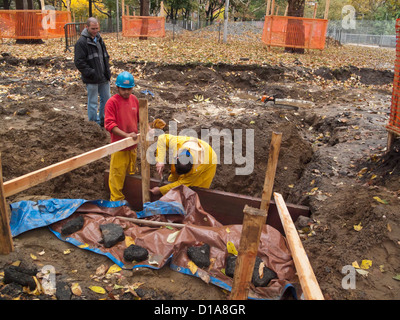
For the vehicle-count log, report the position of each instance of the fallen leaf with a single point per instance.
(357, 227)
(129, 240)
(397, 277)
(366, 264)
(76, 289)
(362, 272)
(231, 248)
(33, 256)
(97, 289)
(68, 251)
(172, 237)
(261, 270)
(355, 265)
(380, 200)
(113, 269)
(192, 267)
(101, 270)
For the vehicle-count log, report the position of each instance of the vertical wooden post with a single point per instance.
(252, 224)
(6, 243)
(272, 7)
(327, 9)
(286, 10)
(253, 221)
(145, 165)
(315, 10)
(308, 281)
(122, 7)
(273, 156)
(390, 140)
(267, 13)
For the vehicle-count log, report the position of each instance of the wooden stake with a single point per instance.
(122, 7)
(327, 9)
(304, 270)
(42, 175)
(145, 165)
(253, 221)
(271, 169)
(315, 10)
(152, 223)
(267, 13)
(6, 243)
(272, 7)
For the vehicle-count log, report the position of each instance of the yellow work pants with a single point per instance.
(121, 164)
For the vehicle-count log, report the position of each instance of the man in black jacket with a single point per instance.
(92, 60)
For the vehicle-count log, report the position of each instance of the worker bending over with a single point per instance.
(195, 162)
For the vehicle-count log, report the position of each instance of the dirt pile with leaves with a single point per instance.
(333, 155)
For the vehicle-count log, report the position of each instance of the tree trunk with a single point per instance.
(90, 8)
(144, 12)
(26, 23)
(295, 28)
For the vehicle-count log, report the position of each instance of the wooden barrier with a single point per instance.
(42, 175)
(308, 282)
(252, 225)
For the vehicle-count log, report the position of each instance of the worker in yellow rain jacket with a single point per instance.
(195, 162)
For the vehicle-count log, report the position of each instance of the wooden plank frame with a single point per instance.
(42, 175)
(308, 281)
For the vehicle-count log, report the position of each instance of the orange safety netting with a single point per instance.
(294, 32)
(394, 120)
(138, 26)
(33, 24)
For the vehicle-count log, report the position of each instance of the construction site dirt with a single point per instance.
(332, 159)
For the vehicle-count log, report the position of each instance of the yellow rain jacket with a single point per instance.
(204, 161)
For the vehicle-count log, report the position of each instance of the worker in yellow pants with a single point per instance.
(122, 163)
(121, 120)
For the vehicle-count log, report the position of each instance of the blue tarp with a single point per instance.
(28, 215)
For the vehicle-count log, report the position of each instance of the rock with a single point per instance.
(135, 253)
(20, 275)
(112, 234)
(72, 226)
(63, 291)
(268, 274)
(230, 266)
(200, 255)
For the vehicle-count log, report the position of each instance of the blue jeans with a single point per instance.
(94, 91)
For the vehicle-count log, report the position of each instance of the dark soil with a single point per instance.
(324, 147)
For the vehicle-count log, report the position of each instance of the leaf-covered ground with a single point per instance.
(208, 48)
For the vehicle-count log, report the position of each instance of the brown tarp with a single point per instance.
(200, 227)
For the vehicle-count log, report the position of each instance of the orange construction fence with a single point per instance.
(33, 24)
(394, 119)
(138, 26)
(294, 32)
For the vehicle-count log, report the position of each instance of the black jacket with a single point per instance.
(87, 59)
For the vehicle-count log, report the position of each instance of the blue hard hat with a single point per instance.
(125, 80)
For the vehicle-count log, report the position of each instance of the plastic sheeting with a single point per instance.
(165, 245)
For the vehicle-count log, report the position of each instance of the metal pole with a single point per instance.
(226, 20)
(117, 19)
